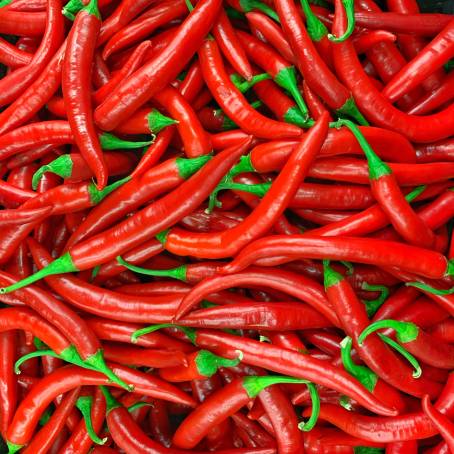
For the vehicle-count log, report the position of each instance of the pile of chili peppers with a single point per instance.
(226, 226)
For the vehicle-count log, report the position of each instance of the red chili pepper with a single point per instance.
(432, 57)
(227, 39)
(158, 16)
(80, 439)
(22, 23)
(228, 243)
(429, 24)
(136, 192)
(12, 56)
(375, 354)
(363, 250)
(16, 82)
(157, 216)
(365, 41)
(376, 107)
(441, 422)
(8, 385)
(44, 438)
(232, 101)
(160, 70)
(76, 78)
(293, 363)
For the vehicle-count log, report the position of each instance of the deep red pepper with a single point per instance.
(233, 102)
(441, 422)
(12, 56)
(22, 23)
(432, 57)
(8, 385)
(160, 70)
(76, 77)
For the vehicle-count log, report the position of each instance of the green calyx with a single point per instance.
(350, 11)
(62, 166)
(405, 331)
(377, 168)
(92, 8)
(315, 27)
(429, 289)
(295, 117)
(72, 8)
(367, 450)
(157, 121)
(330, 276)
(244, 165)
(85, 404)
(162, 236)
(175, 273)
(208, 363)
(362, 373)
(233, 14)
(110, 142)
(245, 85)
(189, 332)
(188, 166)
(97, 362)
(373, 305)
(351, 110)
(408, 356)
(308, 425)
(111, 402)
(96, 195)
(286, 78)
(95, 272)
(63, 264)
(13, 448)
(250, 5)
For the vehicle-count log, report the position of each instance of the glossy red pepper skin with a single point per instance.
(443, 424)
(67, 378)
(8, 385)
(233, 103)
(196, 140)
(22, 23)
(16, 82)
(160, 70)
(76, 77)
(144, 26)
(432, 57)
(290, 363)
(376, 107)
(271, 207)
(12, 56)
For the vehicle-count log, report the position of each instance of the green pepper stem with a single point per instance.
(362, 373)
(96, 195)
(253, 385)
(157, 121)
(429, 289)
(189, 5)
(111, 402)
(409, 357)
(84, 404)
(188, 166)
(63, 264)
(295, 116)
(30, 355)
(415, 193)
(72, 8)
(208, 363)
(315, 27)
(175, 273)
(245, 85)
(286, 78)
(250, 5)
(110, 142)
(190, 332)
(308, 425)
(373, 305)
(351, 110)
(13, 448)
(162, 236)
(350, 11)
(62, 166)
(98, 362)
(377, 168)
(330, 276)
(139, 405)
(405, 331)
